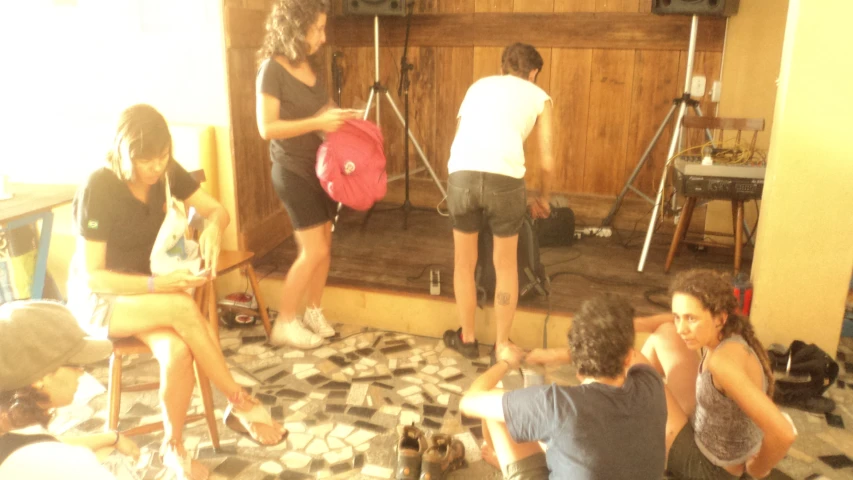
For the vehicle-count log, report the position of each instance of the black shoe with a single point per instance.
(453, 339)
(410, 451)
(444, 455)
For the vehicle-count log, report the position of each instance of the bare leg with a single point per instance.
(679, 365)
(506, 450)
(464, 288)
(317, 283)
(134, 315)
(506, 288)
(313, 253)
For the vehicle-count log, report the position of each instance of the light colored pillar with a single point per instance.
(804, 253)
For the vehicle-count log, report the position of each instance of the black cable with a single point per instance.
(616, 283)
(579, 255)
(412, 279)
(657, 291)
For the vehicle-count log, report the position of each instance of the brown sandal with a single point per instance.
(444, 455)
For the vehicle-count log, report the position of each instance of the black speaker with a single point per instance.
(375, 7)
(719, 8)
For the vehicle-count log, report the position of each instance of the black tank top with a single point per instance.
(11, 442)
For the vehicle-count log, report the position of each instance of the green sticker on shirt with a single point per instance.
(93, 225)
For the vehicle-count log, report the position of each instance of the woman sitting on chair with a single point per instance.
(118, 214)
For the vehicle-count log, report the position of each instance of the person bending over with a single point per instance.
(486, 185)
(611, 426)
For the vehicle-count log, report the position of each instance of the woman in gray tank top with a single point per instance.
(721, 421)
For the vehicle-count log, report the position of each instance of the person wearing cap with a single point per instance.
(42, 354)
(117, 215)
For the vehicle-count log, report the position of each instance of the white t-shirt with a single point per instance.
(495, 118)
(52, 460)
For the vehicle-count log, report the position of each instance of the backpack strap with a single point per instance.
(11, 442)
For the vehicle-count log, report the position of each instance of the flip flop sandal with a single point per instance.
(444, 455)
(241, 422)
(177, 464)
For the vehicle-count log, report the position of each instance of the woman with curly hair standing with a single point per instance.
(294, 112)
(727, 423)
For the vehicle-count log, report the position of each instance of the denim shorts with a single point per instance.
(479, 199)
(686, 461)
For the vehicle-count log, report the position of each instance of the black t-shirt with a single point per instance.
(104, 210)
(297, 101)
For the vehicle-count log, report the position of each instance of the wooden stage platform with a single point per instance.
(381, 255)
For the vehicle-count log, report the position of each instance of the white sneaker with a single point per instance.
(316, 321)
(293, 333)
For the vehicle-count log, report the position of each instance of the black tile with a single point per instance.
(370, 426)
(394, 343)
(335, 408)
(254, 339)
(388, 401)
(834, 420)
(364, 352)
(337, 395)
(395, 349)
(316, 465)
(841, 356)
(91, 425)
(480, 364)
(371, 379)
(352, 356)
(125, 423)
(316, 379)
(469, 421)
(383, 385)
(404, 371)
(321, 417)
(482, 369)
(358, 461)
(430, 423)
(340, 468)
(836, 461)
(141, 410)
(277, 412)
(434, 411)
(363, 412)
(409, 406)
(335, 385)
(813, 476)
(264, 369)
(376, 342)
(428, 397)
(841, 384)
(339, 361)
(231, 467)
(477, 432)
(278, 376)
(777, 475)
(228, 352)
(266, 399)
(310, 422)
(454, 378)
(848, 367)
(290, 394)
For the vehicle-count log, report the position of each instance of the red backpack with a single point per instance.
(351, 164)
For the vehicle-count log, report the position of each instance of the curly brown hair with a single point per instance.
(602, 334)
(287, 26)
(23, 407)
(714, 291)
(520, 59)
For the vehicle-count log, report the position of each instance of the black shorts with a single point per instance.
(477, 199)
(534, 467)
(307, 204)
(686, 461)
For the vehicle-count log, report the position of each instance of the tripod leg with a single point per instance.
(417, 146)
(369, 103)
(608, 220)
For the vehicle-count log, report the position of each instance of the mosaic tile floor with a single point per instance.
(344, 402)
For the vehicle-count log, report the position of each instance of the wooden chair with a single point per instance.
(717, 125)
(229, 260)
(130, 346)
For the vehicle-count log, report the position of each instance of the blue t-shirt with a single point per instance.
(595, 431)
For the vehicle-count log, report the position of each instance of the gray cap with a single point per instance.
(38, 337)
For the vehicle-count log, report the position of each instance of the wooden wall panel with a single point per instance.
(455, 66)
(570, 95)
(493, 5)
(487, 61)
(656, 85)
(609, 104)
(574, 5)
(533, 6)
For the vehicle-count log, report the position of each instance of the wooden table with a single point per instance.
(29, 204)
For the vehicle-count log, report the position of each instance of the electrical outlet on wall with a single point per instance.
(697, 86)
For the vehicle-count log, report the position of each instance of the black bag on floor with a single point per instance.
(532, 279)
(556, 230)
(806, 373)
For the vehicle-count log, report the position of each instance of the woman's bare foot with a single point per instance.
(488, 454)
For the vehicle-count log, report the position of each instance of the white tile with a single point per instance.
(301, 367)
(320, 431)
(411, 379)
(376, 471)
(348, 371)
(449, 372)
(416, 399)
(447, 361)
(307, 373)
(429, 378)
(450, 387)
(432, 390)
(408, 417)
(392, 364)
(405, 392)
(324, 352)
(369, 362)
(317, 395)
(393, 410)
(243, 380)
(298, 441)
(335, 443)
(251, 350)
(317, 447)
(363, 447)
(430, 369)
(295, 427)
(273, 468)
(443, 399)
(361, 367)
(298, 405)
(294, 354)
(295, 460)
(472, 448)
(341, 431)
(357, 393)
(359, 437)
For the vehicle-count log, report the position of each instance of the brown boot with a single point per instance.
(410, 450)
(444, 455)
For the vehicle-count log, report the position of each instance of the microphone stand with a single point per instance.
(403, 89)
